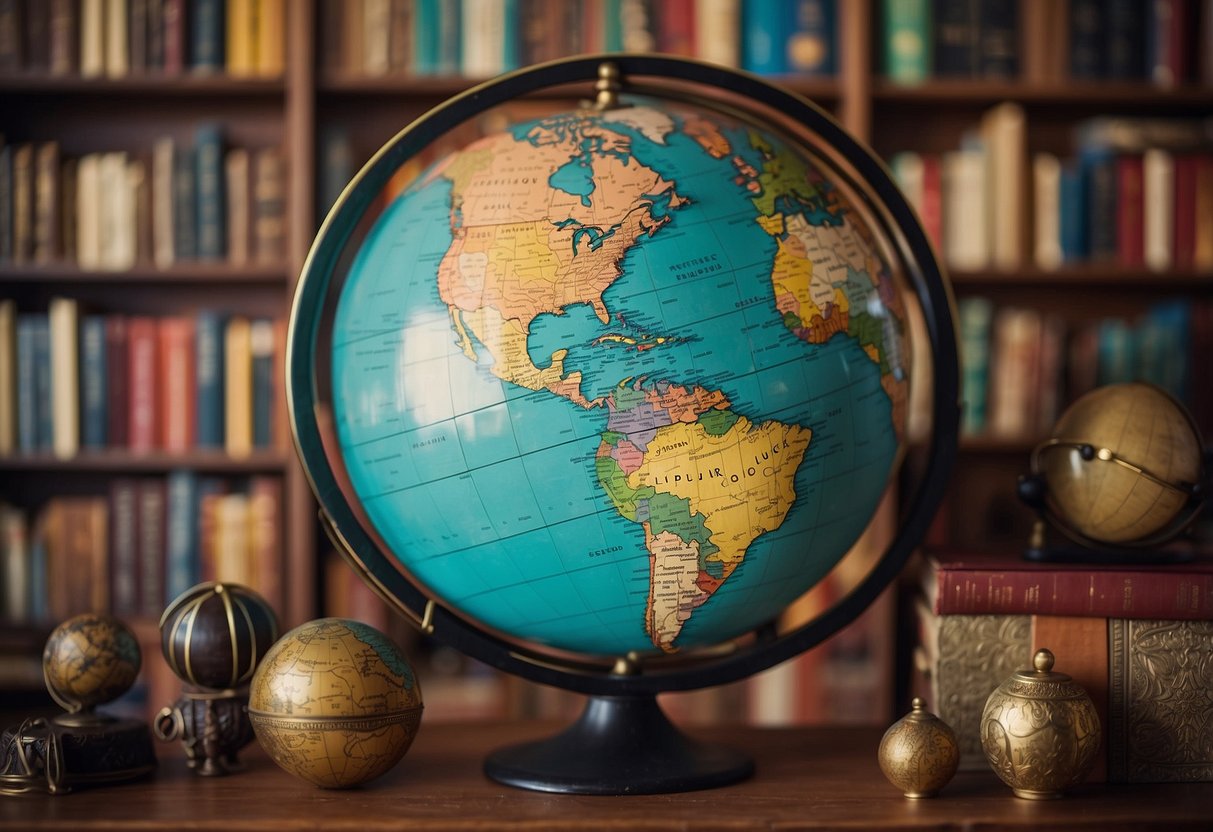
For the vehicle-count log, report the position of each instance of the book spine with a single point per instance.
(117, 45)
(182, 568)
(92, 38)
(271, 38)
(47, 225)
(269, 206)
(124, 546)
(240, 51)
(612, 25)
(764, 38)
(138, 28)
(676, 27)
(1183, 246)
(717, 23)
(976, 316)
(151, 509)
(1087, 42)
(376, 25)
(1158, 206)
(907, 40)
(23, 203)
(211, 225)
(238, 388)
(998, 46)
(265, 537)
(261, 344)
(811, 38)
(1099, 171)
(400, 38)
(1073, 211)
(177, 384)
(1125, 40)
(236, 172)
(426, 32)
(43, 385)
(965, 200)
(94, 403)
(206, 35)
(208, 329)
(173, 13)
(8, 377)
(12, 48)
(27, 381)
(6, 201)
(1129, 229)
(957, 38)
(1106, 593)
(143, 431)
(65, 376)
(1046, 181)
(184, 206)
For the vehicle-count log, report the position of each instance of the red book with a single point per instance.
(1001, 584)
(143, 418)
(174, 36)
(932, 201)
(117, 374)
(1187, 171)
(676, 27)
(177, 385)
(1130, 205)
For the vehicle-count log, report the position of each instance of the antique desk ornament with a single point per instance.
(88, 661)
(1040, 731)
(213, 637)
(919, 753)
(593, 392)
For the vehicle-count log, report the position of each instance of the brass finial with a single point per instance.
(1043, 660)
(608, 86)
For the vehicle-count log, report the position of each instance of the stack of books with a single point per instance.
(1138, 638)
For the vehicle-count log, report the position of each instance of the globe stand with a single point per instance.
(72, 751)
(619, 745)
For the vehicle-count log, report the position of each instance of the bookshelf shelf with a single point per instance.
(143, 86)
(1085, 96)
(127, 462)
(1088, 277)
(999, 445)
(185, 273)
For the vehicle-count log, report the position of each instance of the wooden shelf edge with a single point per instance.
(1086, 276)
(1008, 445)
(1089, 93)
(189, 84)
(122, 461)
(185, 272)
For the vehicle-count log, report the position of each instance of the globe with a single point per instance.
(1122, 466)
(335, 702)
(89, 660)
(595, 392)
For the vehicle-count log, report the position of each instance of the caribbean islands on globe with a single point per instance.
(626, 380)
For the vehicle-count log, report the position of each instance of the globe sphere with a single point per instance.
(621, 381)
(335, 702)
(1121, 465)
(214, 634)
(89, 660)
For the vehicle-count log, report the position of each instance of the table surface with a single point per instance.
(807, 778)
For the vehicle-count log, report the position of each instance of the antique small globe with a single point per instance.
(595, 392)
(335, 702)
(1124, 467)
(90, 660)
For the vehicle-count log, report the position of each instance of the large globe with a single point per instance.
(1122, 464)
(621, 380)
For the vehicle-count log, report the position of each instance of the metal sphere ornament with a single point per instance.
(919, 753)
(335, 703)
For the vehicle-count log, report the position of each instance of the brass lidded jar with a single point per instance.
(1040, 731)
(919, 753)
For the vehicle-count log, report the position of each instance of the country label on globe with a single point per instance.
(621, 381)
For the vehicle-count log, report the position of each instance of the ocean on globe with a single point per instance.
(1103, 499)
(621, 380)
(335, 703)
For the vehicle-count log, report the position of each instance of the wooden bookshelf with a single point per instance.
(207, 272)
(129, 462)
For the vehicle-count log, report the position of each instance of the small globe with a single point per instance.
(1122, 464)
(335, 702)
(214, 634)
(90, 660)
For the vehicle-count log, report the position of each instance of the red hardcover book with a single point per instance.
(1005, 584)
(117, 374)
(676, 27)
(174, 36)
(143, 416)
(932, 201)
(177, 386)
(1130, 235)
(1187, 171)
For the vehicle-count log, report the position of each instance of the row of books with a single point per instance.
(1165, 42)
(111, 211)
(121, 38)
(71, 382)
(1136, 193)
(482, 38)
(1020, 365)
(1127, 634)
(131, 551)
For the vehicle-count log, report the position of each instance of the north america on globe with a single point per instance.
(621, 380)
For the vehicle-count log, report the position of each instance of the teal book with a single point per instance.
(612, 25)
(427, 36)
(208, 334)
(94, 398)
(211, 200)
(907, 40)
(182, 561)
(208, 32)
(28, 326)
(764, 36)
(261, 343)
(976, 319)
(511, 54)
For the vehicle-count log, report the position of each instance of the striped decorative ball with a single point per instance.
(215, 634)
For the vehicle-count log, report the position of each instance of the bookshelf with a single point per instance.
(299, 107)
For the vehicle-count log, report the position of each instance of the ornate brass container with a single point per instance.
(919, 752)
(1040, 731)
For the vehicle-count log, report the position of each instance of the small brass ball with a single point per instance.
(919, 753)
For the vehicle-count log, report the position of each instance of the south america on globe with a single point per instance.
(621, 380)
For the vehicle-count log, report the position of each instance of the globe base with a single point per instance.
(619, 745)
(58, 756)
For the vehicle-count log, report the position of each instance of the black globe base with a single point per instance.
(619, 745)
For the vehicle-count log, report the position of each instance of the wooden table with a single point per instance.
(806, 779)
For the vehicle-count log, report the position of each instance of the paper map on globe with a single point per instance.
(721, 329)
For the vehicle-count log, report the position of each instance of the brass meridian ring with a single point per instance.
(1106, 455)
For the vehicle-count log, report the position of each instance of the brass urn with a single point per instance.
(919, 752)
(1040, 731)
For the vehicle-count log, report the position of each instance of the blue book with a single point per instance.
(1164, 346)
(811, 38)
(427, 36)
(511, 55)
(261, 346)
(1072, 200)
(207, 35)
(208, 332)
(998, 39)
(1087, 39)
(957, 38)
(185, 223)
(39, 589)
(1125, 40)
(183, 565)
(43, 395)
(27, 385)
(764, 36)
(211, 202)
(450, 37)
(94, 411)
(1099, 178)
(1117, 353)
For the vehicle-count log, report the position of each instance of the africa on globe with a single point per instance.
(621, 380)
(335, 703)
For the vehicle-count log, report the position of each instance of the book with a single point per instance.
(1004, 137)
(182, 566)
(64, 322)
(138, 23)
(271, 38)
(206, 35)
(1130, 201)
(117, 47)
(177, 384)
(964, 189)
(124, 547)
(12, 49)
(239, 224)
(1158, 206)
(163, 203)
(241, 38)
(209, 193)
(1072, 197)
(1014, 375)
(209, 398)
(269, 206)
(144, 416)
(1087, 41)
(957, 38)
(261, 353)
(376, 33)
(8, 377)
(1184, 224)
(23, 203)
(47, 243)
(1168, 56)
(30, 329)
(117, 381)
(1048, 253)
(150, 506)
(1045, 40)
(36, 49)
(184, 204)
(717, 23)
(974, 583)
(997, 39)
(811, 38)
(94, 401)
(906, 38)
(16, 601)
(237, 387)
(1125, 26)
(975, 316)
(173, 16)
(764, 38)
(75, 535)
(265, 538)
(92, 38)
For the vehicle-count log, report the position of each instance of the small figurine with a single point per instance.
(213, 637)
(919, 753)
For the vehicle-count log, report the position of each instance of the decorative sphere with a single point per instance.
(1092, 492)
(919, 753)
(214, 634)
(90, 660)
(1040, 731)
(335, 702)
(623, 380)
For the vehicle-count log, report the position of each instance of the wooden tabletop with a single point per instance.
(810, 778)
